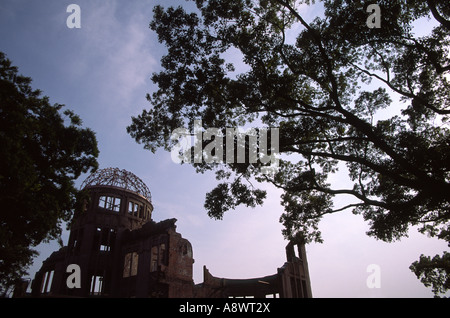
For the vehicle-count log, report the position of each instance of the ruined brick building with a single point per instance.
(122, 252)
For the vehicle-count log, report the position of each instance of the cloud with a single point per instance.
(114, 51)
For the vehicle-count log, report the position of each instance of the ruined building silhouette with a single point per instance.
(122, 252)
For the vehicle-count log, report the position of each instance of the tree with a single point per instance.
(330, 91)
(42, 153)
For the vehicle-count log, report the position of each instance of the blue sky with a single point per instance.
(102, 72)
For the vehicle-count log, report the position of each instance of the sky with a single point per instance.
(102, 72)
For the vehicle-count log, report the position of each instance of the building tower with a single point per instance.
(120, 251)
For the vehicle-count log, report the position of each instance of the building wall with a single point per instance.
(164, 267)
(291, 281)
(120, 250)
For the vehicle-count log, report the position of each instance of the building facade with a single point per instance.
(121, 252)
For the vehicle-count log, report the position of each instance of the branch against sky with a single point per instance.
(328, 91)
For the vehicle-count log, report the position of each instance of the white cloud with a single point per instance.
(114, 55)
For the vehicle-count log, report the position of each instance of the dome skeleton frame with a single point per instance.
(120, 178)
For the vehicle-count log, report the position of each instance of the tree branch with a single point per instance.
(436, 15)
(348, 158)
(354, 205)
(401, 92)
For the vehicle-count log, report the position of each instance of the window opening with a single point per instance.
(135, 209)
(110, 203)
(47, 282)
(130, 266)
(96, 285)
(154, 259)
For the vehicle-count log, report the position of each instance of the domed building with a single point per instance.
(119, 251)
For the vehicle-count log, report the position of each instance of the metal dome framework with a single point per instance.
(120, 178)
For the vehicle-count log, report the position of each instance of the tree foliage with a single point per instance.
(42, 152)
(433, 272)
(370, 101)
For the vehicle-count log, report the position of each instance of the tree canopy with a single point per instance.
(43, 150)
(373, 102)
